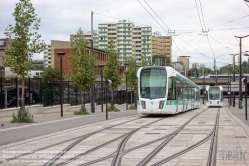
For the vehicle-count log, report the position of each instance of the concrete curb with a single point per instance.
(242, 124)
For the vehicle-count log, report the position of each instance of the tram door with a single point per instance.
(179, 105)
(185, 96)
(192, 98)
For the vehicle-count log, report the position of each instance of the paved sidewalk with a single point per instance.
(239, 113)
(40, 118)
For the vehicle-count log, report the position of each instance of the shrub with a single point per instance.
(132, 107)
(113, 108)
(26, 117)
(81, 112)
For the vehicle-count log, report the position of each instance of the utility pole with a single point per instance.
(233, 79)
(215, 71)
(240, 71)
(203, 79)
(93, 88)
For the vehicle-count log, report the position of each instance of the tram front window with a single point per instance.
(153, 83)
(214, 93)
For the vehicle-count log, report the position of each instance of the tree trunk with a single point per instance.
(83, 101)
(135, 99)
(131, 99)
(112, 98)
(22, 96)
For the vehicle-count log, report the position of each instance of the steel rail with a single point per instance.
(209, 136)
(213, 147)
(62, 142)
(117, 159)
(69, 147)
(151, 155)
(137, 147)
(120, 148)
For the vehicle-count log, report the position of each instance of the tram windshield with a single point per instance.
(214, 93)
(153, 83)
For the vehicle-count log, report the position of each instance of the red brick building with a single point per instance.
(101, 58)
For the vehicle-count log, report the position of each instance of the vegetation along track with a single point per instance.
(113, 155)
(82, 137)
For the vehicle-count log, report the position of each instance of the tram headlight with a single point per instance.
(143, 104)
(161, 104)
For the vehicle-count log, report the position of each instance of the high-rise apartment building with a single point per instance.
(161, 45)
(128, 40)
(47, 56)
(88, 37)
(184, 60)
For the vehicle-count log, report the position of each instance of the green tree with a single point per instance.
(208, 70)
(143, 61)
(50, 94)
(194, 72)
(132, 76)
(50, 74)
(161, 60)
(225, 69)
(82, 73)
(26, 41)
(111, 69)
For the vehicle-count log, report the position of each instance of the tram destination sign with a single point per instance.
(235, 87)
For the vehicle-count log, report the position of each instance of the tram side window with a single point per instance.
(221, 95)
(171, 89)
(185, 91)
(206, 95)
(178, 90)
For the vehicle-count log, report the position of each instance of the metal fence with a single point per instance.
(48, 94)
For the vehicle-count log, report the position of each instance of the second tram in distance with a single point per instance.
(163, 90)
(214, 96)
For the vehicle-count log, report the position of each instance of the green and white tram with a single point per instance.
(214, 96)
(163, 90)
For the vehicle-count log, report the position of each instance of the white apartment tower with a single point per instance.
(128, 39)
(88, 38)
(47, 56)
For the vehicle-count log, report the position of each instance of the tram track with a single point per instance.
(151, 155)
(213, 146)
(117, 155)
(80, 138)
(120, 151)
(114, 155)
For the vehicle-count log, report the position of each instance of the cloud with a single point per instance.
(61, 18)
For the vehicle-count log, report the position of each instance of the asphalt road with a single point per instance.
(13, 135)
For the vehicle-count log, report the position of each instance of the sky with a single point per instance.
(202, 29)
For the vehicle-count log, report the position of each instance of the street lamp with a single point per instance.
(203, 73)
(92, 52)
(234, 75)
(126, 94)
(230, 74)
(1, 86)
(246, 89)
(101, 68)
(240, 72)
(61, 54)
